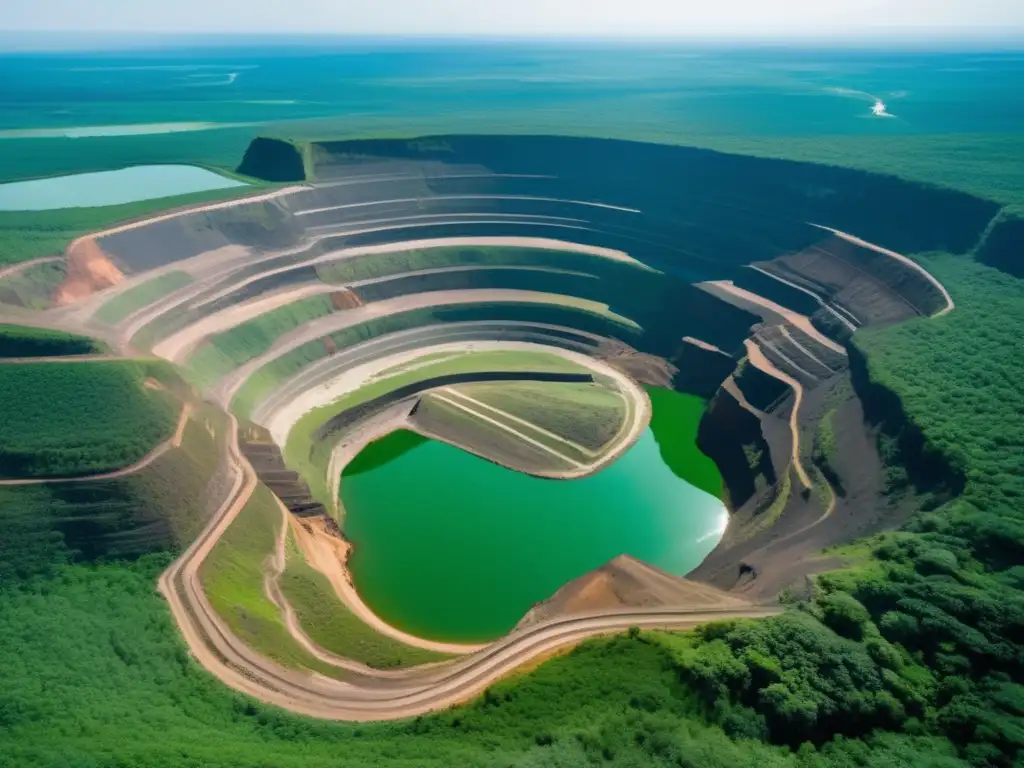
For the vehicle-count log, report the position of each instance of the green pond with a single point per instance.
(449, 546)
(127, 185)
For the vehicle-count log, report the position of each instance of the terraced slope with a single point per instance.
(333, 313)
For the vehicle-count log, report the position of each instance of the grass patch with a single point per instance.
(64, 419)
(121, 306)
(263, 381)
(232, 578)
(374, 265)
(224, 352)
(310, 459)
(34, 285)
(450, 423)
(26, 341)
(334, 627)
(590, 415)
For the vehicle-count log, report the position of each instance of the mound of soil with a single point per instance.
(626, 582)
(89, 269)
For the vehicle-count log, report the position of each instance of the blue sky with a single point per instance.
(681, 18)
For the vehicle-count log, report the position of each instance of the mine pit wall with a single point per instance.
(702, 215)
(260, 226)
(928, 468)
(729, 435)
(664, 180)
(700, 371)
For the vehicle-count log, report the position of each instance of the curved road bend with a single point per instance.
(371, 696)
(758, 360)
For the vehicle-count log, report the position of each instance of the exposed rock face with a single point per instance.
(89, 269)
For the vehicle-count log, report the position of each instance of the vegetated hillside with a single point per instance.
(1003, 247)
(226, 351)
(232, 577)
(121, 306)
(33, 285)
(157, 509)
(25, 341)
(924, 635)
(71, 419)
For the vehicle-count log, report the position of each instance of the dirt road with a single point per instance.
(373, 696)
(758, 360)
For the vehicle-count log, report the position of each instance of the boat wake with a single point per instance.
(878, 107)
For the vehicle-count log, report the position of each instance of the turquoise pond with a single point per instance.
(127, 185)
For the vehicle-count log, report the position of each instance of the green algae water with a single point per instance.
(449, 546)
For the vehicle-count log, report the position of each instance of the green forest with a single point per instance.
(68, 419)
(25, 341)
(911, 655)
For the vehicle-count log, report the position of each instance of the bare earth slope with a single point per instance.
(626, 582)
